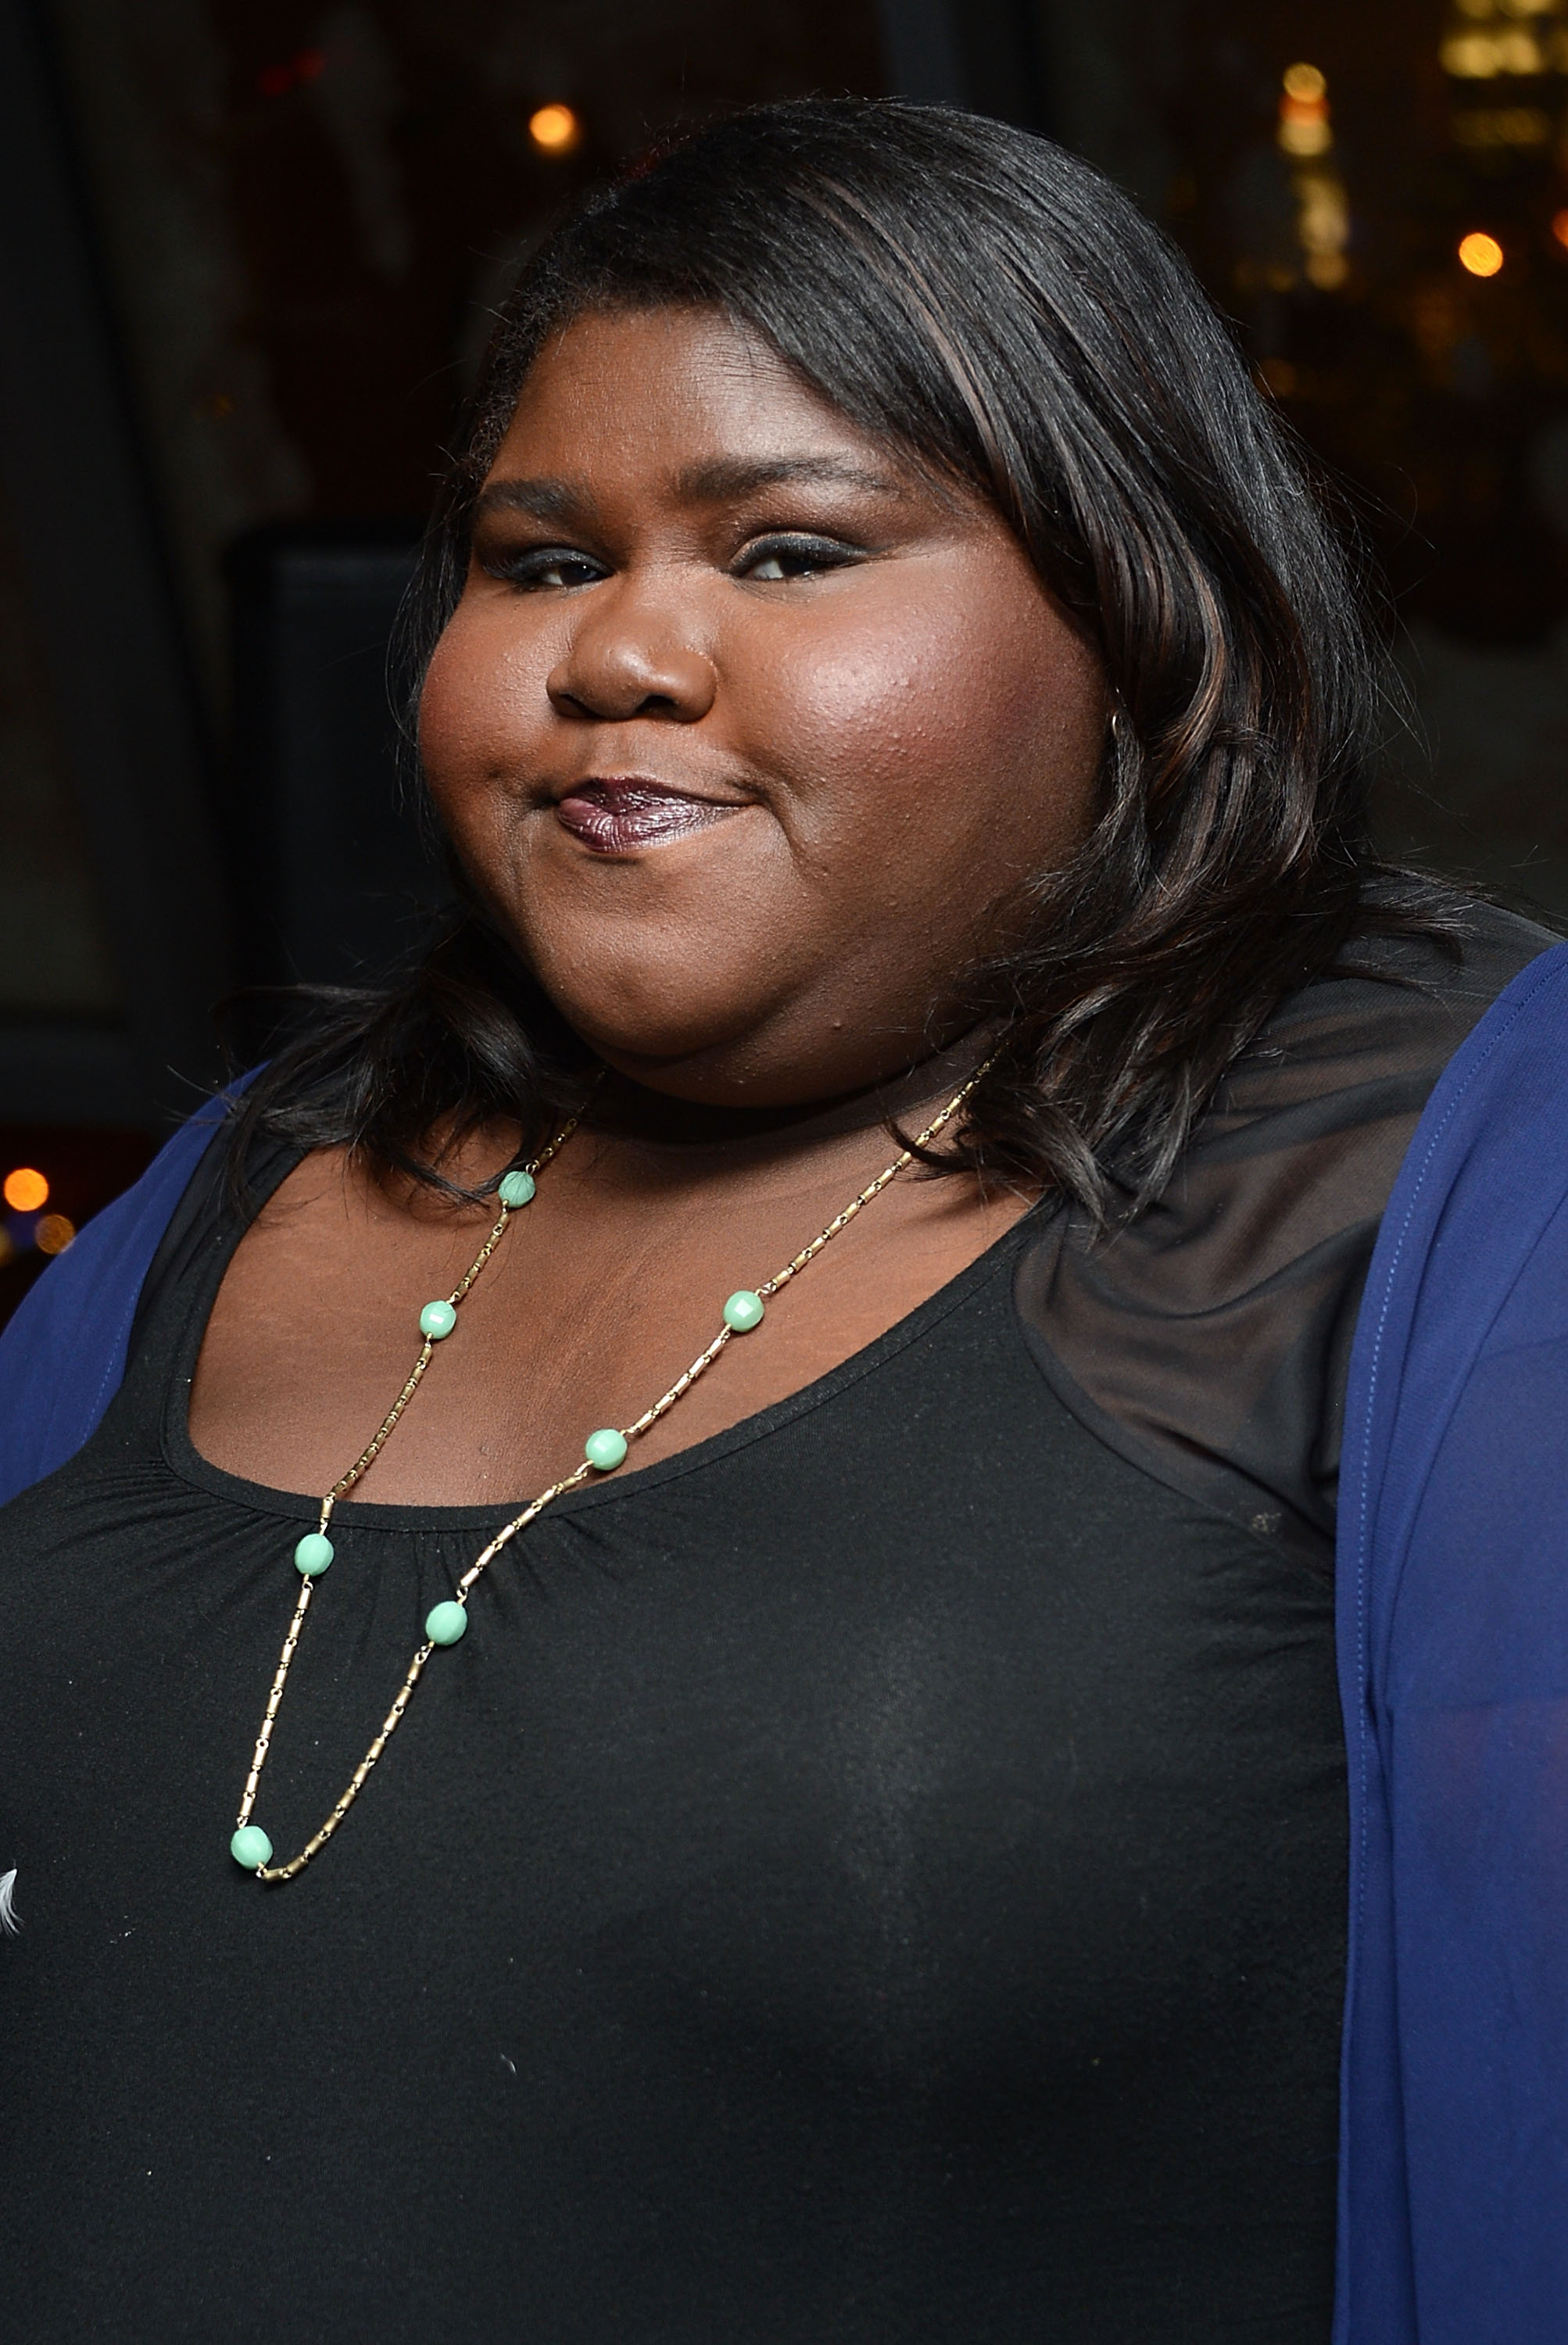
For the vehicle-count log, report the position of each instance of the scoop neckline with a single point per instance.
(183, 1459)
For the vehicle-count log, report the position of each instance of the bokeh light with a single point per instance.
(54, 1233)
(24, 1190)
(555, 128)
(1305, 82)
(1304, 127)
(1560, 227)
(1480, 253)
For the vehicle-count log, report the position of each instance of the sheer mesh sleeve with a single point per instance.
(1207, 1340)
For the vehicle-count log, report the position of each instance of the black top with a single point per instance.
(876, 1876)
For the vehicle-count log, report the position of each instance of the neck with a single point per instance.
(630, 1111)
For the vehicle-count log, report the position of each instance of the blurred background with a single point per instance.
(247, 253)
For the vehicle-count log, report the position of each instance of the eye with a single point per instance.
(772, 559)
(548, 566)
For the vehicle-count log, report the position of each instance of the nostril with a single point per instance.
(606, 675)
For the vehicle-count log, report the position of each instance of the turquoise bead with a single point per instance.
(444, 1623)
(312, 1555)
(517, 1188)
(436, 1320)
(743, 1310)
(251, 1847)
(604, 1448)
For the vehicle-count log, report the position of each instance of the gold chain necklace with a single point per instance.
(602, 1452)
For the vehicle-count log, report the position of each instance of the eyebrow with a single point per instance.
(730, 478)
(724, 480)
(545, 500)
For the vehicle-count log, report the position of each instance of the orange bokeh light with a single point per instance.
(555, 128)
(24, 1191)
(54, 1233)
(1480, 253)
(1560, 227)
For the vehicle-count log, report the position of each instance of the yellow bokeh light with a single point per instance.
(1479, 56)
(1307, 133)
(54, 1234)
(1305, 81)
(555, 128)
(1471, 57)
(1519, 53)
(24, 1191)
(1480, 253)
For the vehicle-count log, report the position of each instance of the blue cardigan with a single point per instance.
(1453, 1663)
(1454, 1670)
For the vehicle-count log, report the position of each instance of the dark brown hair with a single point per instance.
(1012, 322)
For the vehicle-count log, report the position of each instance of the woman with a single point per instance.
(858, 1843)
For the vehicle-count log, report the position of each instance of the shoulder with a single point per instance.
(1214, 1329)
(1453, 1630)
(1391, 1012)
(63, 1353)
(1468, 1293)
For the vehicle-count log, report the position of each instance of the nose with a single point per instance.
(629, 655)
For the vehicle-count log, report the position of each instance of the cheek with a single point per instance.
(865, 703)
(478, 707)
(946, 723)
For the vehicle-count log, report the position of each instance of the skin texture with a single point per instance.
(691, 574)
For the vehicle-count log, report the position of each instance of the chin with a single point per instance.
(791, 1060)
(684, 1061)
(696, 1012)
(655, 1035)
(638, 987)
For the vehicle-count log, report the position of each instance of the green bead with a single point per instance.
(251, 1847)
(444, 1623)
(436, 1320)
(312, 1555)
(604, 1448)
(743, 1310)
(516, 1188)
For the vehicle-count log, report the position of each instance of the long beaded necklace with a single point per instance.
(603, 1451)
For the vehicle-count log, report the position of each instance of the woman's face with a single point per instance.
(746, 733)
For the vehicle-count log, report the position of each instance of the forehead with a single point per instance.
(667, 390)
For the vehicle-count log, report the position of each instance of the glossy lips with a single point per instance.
(615, 817)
